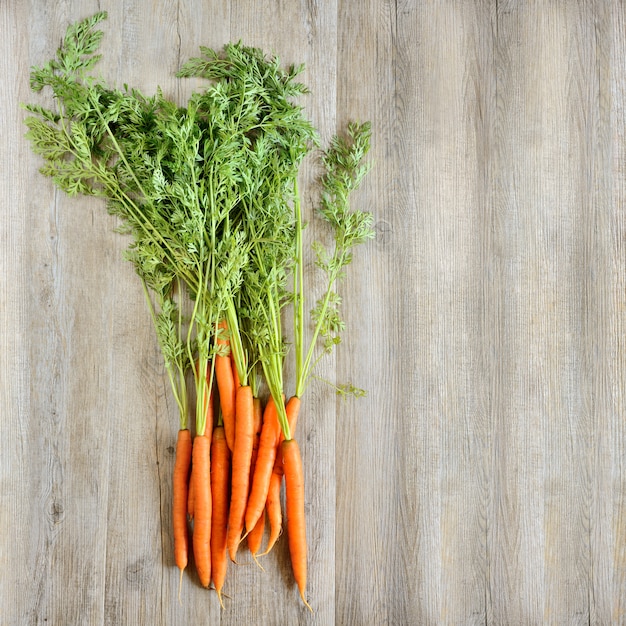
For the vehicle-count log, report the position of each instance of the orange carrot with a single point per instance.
(294, 502)
(220, 486)
(268, 444)
(179, 499)
(201, 467)
(293, 410)
(242, 454)
(226, 387)
(272, 503)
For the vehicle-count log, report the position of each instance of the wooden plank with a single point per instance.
(364, 454)
(64, 443)
(21, 462)
(539, 572)
(427, 433)
(610, 453)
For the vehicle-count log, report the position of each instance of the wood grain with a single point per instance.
(482, 480)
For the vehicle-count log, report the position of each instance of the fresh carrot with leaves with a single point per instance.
(179, 500)
(242, 454)
(220, 490)
(343, 173)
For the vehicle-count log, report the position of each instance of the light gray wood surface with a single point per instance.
(483, 478)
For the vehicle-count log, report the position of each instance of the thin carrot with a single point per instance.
(268, 444)
(201, 468)
(226, 386)
(294, 503)
(220, 487)
(179, 500)
(272, 503)
(242, 455)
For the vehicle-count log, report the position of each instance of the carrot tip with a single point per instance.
(257, 562)
(271, 545)
(219, 596)
(308, 606)
(180, 586)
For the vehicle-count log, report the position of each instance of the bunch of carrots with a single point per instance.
(208, 195)
(227, 479)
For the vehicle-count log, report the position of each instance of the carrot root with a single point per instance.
(261, 476)
(242, 457)
(179, 498)
(296, 526)
(220, 486)
(202, 520)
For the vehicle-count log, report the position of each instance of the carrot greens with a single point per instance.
(344, 172)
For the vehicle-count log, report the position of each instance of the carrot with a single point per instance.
(220, 486)
(268, 444)
(242, 454)
(272, 503)
(226, 387)
(201, 467)
(179, 500)
(293, 410)
(294, 502)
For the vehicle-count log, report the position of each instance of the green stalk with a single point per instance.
(298, 307)
(236, 344)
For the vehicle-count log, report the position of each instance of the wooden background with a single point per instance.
(483, 479)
